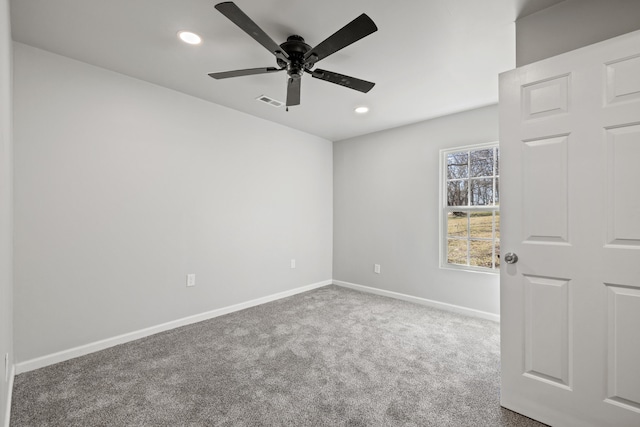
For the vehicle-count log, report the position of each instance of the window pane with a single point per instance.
(482, 192)
(457, 193)
(481, 253)
(481, 162)
(457, 165)
(497, 225)
(497, 254)
(497, 161)
(497, 191)
(481, 224)
(457, 251)
(457, 224)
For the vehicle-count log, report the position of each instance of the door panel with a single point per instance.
(546, 98)
(623, 375)
(546, 190)
(623, 80)
(570, 184)
(548, 330)
(623, 207)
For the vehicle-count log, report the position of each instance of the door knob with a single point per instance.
(510, 258)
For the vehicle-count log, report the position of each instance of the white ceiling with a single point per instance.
(428, 58)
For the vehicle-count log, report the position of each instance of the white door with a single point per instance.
(570, 204)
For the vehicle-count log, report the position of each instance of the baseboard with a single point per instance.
(7, 415)
(61, 356)
(422, 301)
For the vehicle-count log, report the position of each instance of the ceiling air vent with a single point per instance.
(270, 101)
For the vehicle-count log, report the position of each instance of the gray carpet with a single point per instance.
(329, 357)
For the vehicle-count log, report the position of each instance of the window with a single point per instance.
(470, 227)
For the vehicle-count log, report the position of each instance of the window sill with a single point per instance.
(470, 269)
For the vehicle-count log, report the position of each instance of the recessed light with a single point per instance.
(361, 110)
(189, 37)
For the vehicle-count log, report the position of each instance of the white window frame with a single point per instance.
(444, 209)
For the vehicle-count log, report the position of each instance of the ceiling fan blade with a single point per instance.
(360, 27)
(293, 92)
(238, 17)
(246, 72)
(342, 80)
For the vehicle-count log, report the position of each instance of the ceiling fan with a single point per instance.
(297, 57)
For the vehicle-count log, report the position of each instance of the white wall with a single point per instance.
(386, 207)
(123, 187)
(572, 24)
(6, 207)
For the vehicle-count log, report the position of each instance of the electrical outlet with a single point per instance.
(376, 268)
(191, 280)
(293, 263)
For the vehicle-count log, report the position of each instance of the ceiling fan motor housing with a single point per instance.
(295, 48)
